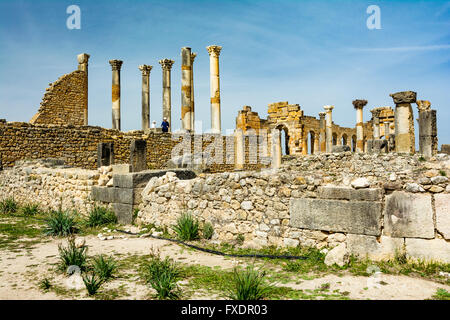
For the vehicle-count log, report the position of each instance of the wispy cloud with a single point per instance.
(403, 49)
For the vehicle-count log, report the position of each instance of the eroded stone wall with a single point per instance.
(65, 101)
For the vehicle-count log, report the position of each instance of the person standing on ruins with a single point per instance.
(165, 125)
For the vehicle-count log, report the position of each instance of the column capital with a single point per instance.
(166, 64)
(423, 105)
(145, 69)
(83, 58)
(214, 50)
(193, 56)
(404, 97)
(375, 112)
(328, 108)
(359, 104)
(116, 64)
(322, 115)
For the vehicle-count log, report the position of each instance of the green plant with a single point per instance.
(8, 206)
(422, 159)
(240, 239)
(45, 284)
(443, 173)
(104, 267)
(186, 227)
(162, 276)
(29, 209)
(249, 284)
(441, 294)
(72, 256)
(92, 283)
(135, 215)
(60, 223)
(208, 231)
(99, 216)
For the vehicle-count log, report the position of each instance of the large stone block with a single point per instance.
(408, 215)
(140, 179)
(124, 212)
(138, 155)
(121, 168)
(442, 205)
(368, 246)
(436, 249)
(359, 217)
(123, 195)
(103, 194)
(347, 193)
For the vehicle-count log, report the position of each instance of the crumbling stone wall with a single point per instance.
(64, 102)
(373, 204)
(77, 145)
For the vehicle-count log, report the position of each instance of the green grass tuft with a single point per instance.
(72, 256)
(441, 294)
(60, 223)
(30, 209)
(249, 284)
(187, 227)
(208, 231)
(104, 267)
(92, 283)
(8, 206)
(100, 216)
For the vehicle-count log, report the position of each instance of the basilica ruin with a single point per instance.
(364, 188)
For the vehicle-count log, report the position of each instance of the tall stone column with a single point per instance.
(116, 66)
(428, 146)
(193, 55)
(322, 140)
(276, 149)
(239, 149)
(329, 128)
(359, 106)
(214, 52)
(186, 89)
(83, 60)
(305, 141)
(166, 66)
(316, 143)
(376, 123)
(404, 121)
(145, 69)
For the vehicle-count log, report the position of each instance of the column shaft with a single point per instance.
(322, 140)
(83, 60)
(145, 69)
(329, 128)
(116, 66)
(276, 149)
(239, 149)
(214, 52)
(193, 55)
(166, 65)
(186, 89)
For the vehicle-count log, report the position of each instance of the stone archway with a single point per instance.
(284, 135)
(344, 139)
(334, 139)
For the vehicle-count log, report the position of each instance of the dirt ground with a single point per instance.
(22, 269)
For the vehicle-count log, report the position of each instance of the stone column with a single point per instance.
(359, 106)
(239, 149)
(329, 128)
(214, 52)
(376, 123)
(276, 149)
(116, 66)
(428, 146)
(166, 66)
(316, 143)
(83, 60)
(404, 121)
(305, 141)
(186, 89)
(193, 55)
(145, 69)
(322, 140)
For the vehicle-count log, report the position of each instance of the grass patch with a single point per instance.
(45, 284)
(249, 284)
(72, 256)
(441, 294)
(100, 216)
(8, 206)
(104, 267)
(60, 223)
(187, 227)
(29, 209)
(208, 231)
(92, 282)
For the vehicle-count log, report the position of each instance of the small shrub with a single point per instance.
(100, 216)
(422, 159)
(92, 283)
(443, 173)
(72, 256)
(240, 239)
(208, 231)
(60, 223)
(30, 209)
(104, 267)
(162, 276)
(186, 227)
(8, 206)
(45, 284)
(249, 285)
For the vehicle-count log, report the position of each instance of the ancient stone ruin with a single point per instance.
(286, 180)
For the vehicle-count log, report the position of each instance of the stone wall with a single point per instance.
(64, 102)
(373, 204)
(77, 145)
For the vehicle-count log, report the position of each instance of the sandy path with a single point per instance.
(20, 272)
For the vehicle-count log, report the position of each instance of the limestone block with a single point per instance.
(359, 217)
(435, 249)
(121, 168)
(368, 246)
(347, 193)
(338, 255)
(124, 212)
(408, 215)
(442, 205)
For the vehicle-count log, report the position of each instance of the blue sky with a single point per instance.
(312, 53)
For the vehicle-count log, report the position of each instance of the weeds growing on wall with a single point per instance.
(60, 223)
(187, 227)
(100, 216)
